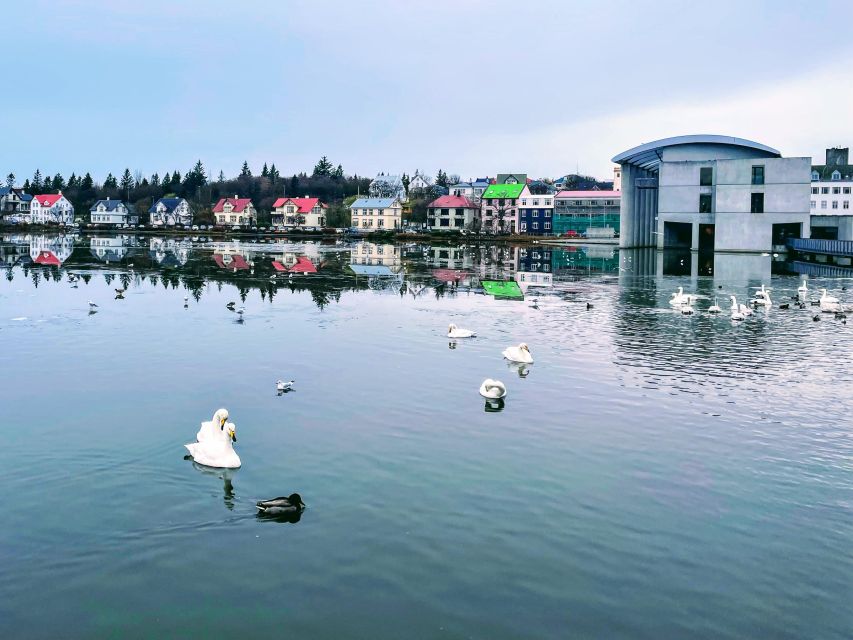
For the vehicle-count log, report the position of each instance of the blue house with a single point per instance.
(170, 211)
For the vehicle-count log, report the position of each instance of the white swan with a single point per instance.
(521, 353)
(714, 308)
(739, 311)
(215, 443)
(687, 310)
(678, 298)
(493, 389)
(762, 297)
(824, 298)
(455, 332)
(803, 290)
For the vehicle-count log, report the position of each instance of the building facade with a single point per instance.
(387, 186)
(235, 212)
(51, 209)
(377, 214)
(832, 183)
(452, 213)
(111, 212)
(499, 207)
(14, 205)
(709, 192)
(535, 213)
(167, 212)
(299, 212)
(419, 182)
(577, 211)
(472, 190)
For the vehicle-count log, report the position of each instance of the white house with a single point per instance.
(452, 213)
(51, 209)
(170, 211)
(235, 212)
(112, 212)
(387, 186)
(377, 214)
(299, 212)
(419, 182)
(14, 205)
(535, 212)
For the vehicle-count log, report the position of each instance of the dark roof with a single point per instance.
(170, 203)
(110, 205)
(826, 170)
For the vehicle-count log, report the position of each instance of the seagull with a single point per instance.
(283, 387)
(121, 291)
(92, 305)
(241, 311)
(186, 298)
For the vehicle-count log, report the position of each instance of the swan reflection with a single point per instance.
(226, 475)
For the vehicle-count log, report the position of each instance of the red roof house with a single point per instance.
(230, 211)
(309, 212)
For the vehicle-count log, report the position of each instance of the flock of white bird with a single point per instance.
(494, 389)
(684, 302)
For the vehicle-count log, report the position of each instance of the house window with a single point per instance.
(815, 190)
(535, 226)
(547, 215)
(547, 225)
(536, 213)
(836, 190)
(381, 222)
(845, 190)
(705, 203)
(706, 176)
(824, 189)
(524, 202)
(846, 204)
(835, 204)
(547, 202)
(536, 203)
(836, 175)
(578, 203)
(444, 222)
(815, 175)
(758, 175)
(757, 204)
(823, 204)
(813, 204)
(524, 226)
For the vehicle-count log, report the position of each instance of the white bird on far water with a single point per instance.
(214, 447)
(521, 353)
(714, 308)
(493, 389)
(281, 386)
(241, 311)
(92, 305)
(686, 310)
(455, 332)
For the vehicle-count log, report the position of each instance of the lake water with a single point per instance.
(651, 475)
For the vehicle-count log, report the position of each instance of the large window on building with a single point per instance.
(705, 203)
(757, 204)
(758, 175)
(706, 176)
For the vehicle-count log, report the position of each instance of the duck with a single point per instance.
(214, 443)
(714, 308)
(121, 291)
(521, 353)
(230, 306)
(492, 389)
(455, 332)
(588, 306)
(281, 506)
(785, 306)
(281, 386)
(92, 305)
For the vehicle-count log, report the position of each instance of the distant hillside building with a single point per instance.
(511, 178)
(419, 182)
(170, 211)
(710, 192)
(51, 209)
(235, 211)
(111, 212)
(387, 186)
(473, 190)
(832, 183)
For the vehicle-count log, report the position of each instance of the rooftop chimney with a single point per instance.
(837, 156)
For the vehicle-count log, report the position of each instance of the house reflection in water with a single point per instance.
(169, 252)
(110, 249)
(231, 256)
(372, 253)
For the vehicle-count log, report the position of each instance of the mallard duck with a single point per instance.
(281, 506)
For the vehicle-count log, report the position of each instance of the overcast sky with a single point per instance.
(474, 87)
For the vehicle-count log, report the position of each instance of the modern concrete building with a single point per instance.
(710, 192)
(832, 183)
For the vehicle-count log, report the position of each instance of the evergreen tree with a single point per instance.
(110, 182)
(167, 180)
(10, 180)
(265, 173)
(441, 178)
(323, 167)
(155, 180)
(87, 182)
(274, 174)
(176, 178)
(27, 184)
(339, 172)
(221, 176)
(294, 186)
(46, 182)
(36, 184)
(126, 181)
(199, 174)
(72, 181)
(57, 183)
(245, 172)
(406, 182)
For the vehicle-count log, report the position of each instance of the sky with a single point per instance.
(471, 87)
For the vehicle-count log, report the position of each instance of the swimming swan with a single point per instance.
(493, 389)
(455, 332)
(737, 313)
(215, 443)
(714, 308)
(521, 353)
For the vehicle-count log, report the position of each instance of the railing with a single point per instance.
(827, 247)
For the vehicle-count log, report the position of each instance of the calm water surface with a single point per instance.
(650, 476)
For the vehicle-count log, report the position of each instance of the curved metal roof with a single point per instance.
(648, 156)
